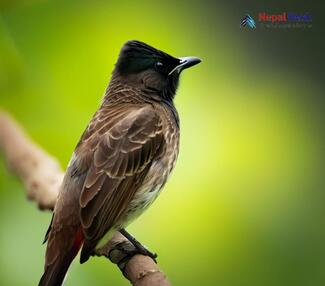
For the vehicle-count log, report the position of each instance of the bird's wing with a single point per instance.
(119, 164)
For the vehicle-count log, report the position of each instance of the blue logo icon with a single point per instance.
(248, 21)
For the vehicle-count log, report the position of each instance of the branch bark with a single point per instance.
(42, 176)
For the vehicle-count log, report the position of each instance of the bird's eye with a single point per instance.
(159, 65)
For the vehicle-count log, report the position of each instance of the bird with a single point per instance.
(122, 160)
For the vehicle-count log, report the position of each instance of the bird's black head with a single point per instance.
(154, 71)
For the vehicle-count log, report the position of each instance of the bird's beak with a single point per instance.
(185, 63)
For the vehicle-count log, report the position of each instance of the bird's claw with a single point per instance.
(145, 251)
(139, 248)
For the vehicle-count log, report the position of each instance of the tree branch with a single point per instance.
(42, 176)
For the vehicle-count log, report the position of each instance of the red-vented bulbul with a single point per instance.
(122, 160)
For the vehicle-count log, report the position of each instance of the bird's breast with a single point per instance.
(156, 178)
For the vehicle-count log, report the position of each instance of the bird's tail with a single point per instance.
(54, 274)
(57, 266)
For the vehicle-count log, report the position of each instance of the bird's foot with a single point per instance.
(145, 251)
(139, 247)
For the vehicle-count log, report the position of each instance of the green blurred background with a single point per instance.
(245, 204)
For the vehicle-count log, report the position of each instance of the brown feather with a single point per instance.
(120, 162)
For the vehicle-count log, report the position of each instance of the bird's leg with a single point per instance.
(140, 248)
